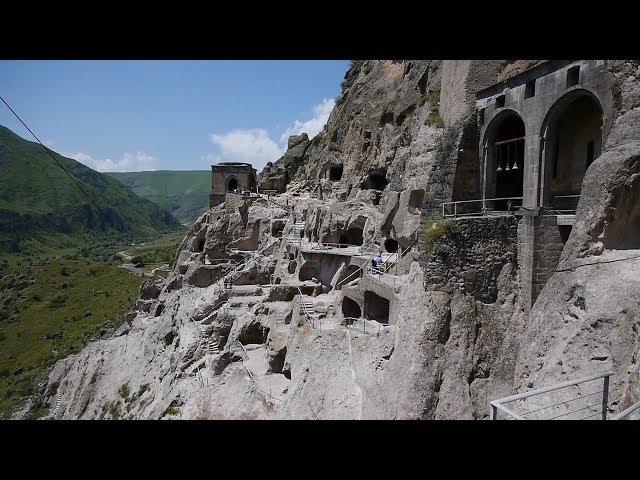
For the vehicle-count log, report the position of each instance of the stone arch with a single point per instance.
(504, 150)
(232, 183)
(572, 140)
(350, 308)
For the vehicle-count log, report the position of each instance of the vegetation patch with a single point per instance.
(434, 119)
(39, 325)
(437, 230)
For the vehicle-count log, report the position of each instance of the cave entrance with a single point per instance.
(277, 226)
(308, 271)
(375, 181)
(573, 140)
(232, 184)
(376, 307)
(416, 198)
(350, 308)
(352, 236)
(335, 173)
(254, 333)
(391, 245)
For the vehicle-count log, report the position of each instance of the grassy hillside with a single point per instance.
(184, 193)
(52, 310)
(43, 213)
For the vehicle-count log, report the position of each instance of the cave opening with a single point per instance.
(277, 227)
(255, 333)
(352, 236)
(376, 307)
(308, 271)
(335, 173)
(416, 199)
(391, 245)
(350, 308)
(375, 181)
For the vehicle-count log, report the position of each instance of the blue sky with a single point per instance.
(173, 115)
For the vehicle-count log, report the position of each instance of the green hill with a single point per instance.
(42, 212)
(184, 193)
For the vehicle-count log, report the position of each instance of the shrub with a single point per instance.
(434, 119)
(57, 302)
(124, 391)
(172, 410)
(437, 229)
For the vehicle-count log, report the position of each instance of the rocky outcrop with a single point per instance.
(254, 320)
(276, 176)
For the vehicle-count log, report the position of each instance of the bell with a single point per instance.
(515, 166)
(507, 169)
(499, 168)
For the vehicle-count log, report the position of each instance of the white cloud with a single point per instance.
(251, 146)
(130, 162)
(312, 126)
(255, 146)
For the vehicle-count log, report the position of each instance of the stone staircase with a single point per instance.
(210, 345)
(57, 404)
(294, 235)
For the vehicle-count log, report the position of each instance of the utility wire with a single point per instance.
(53, 157)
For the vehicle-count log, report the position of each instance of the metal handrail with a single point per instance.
(496, 405)
(400, 255)
(308, 318)
(483, 201)
(627, 411)
(351, 320)
(360, 269)
(252, 377)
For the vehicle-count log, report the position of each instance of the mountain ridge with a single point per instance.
(39, 202)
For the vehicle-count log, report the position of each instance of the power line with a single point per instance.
(54, 158)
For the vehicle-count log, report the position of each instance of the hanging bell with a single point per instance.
(499, 168)
(515, 166)
(507, 169)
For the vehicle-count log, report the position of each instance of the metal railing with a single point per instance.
(568, 201)
(351, 249)
(480, 207)
(308, 317)
(390, 263)
(253, 378)
(350, 277)
(627, 412)
(350, 321)
(380, 273)
(591, 409)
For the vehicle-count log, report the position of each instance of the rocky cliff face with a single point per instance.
(279, 342)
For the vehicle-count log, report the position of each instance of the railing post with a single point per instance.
(605, 397)
(493, 411)
(455, 210)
